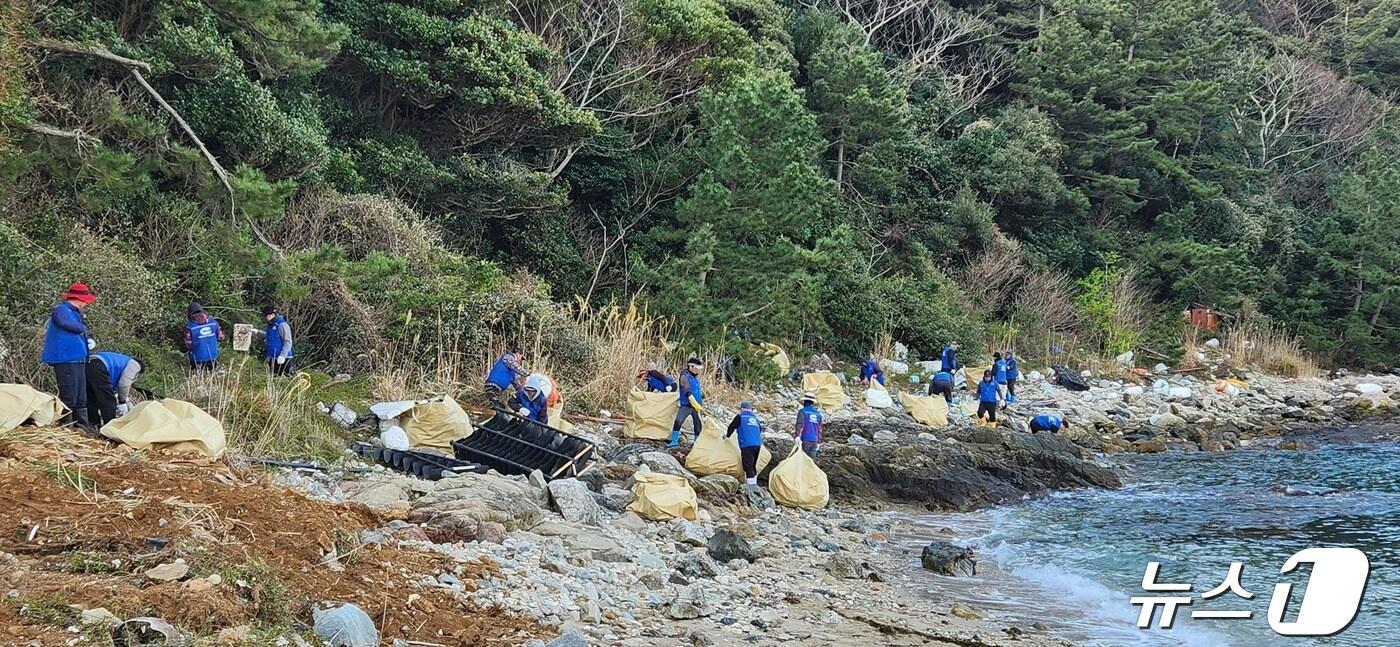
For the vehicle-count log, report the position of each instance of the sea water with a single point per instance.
(1072, 560)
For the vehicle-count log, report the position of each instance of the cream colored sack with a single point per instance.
(20, 403)
(778, 355)
(797, 482)
(650, 415)
(712, 453)
(556, 418)
(169, 424)
(827, 388)
(436, 423)
(661, 497)
(877, 397)
(931, 410)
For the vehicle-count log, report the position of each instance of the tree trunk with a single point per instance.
(840, 163)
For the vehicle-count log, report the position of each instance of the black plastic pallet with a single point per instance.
(421, 464)
(511, 444)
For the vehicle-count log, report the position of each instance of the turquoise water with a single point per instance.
(1072, 560)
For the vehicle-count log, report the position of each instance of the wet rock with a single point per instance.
(1150, 445)
(574, 501)
(345, 625)
(846, 567)
(691, 602)
(726, 545)
(965, 612)
(947, 559)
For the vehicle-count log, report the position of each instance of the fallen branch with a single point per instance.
(54, 131)
(592, 419)
(135, 67)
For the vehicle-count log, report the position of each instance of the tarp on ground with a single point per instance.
(661, 497)
(826, 387)
(169, 424)
(778, 355)
(931, 410)
(712, 453)
(650, 415)
(20, 403)
(436, 423)
(797, 482)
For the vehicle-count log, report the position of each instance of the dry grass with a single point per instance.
(629, 339)
(1257, 342)
(262, 416)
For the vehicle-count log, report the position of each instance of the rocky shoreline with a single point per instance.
(749, 572)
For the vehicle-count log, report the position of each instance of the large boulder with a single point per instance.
(726, 545)
(946, 559)
(575, 502)
(480, 498)
(971, 467)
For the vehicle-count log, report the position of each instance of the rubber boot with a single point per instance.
(675, 438)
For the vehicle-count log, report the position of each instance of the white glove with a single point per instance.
(123, 409)
(524, 413)
(281, 359)
(91, 344)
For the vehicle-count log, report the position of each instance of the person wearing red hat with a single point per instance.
(66, 347)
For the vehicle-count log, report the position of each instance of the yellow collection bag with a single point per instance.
(556, 418)
(436, 423)
(661, 497)
(712, 453)
(797, 482)
(20, 403)
(826, 387)
(931, 410)
(650, 415)
(169, 424)
(778, 355)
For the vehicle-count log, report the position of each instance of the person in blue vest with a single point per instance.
(870, 370)
(950, 358)
(109, 378)
(277, 345)
(999, 373)
(532, 400)
(1013, 374)
(942, 384)
(507, 375)
(202, 338)
(809, 424)
(66, 347)
(750, 430)
(988, 398)
(1051, 422)
(657, 382)
(692, 400)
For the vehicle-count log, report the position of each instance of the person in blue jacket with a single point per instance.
(278, 342)
(999, 373)
(692, 400)
(809, 424)
(532, 400)
(950, 357)
(202, 338)
(750, 430)
(657, 382)
(870, 369)
(1013, 373)
(507, 372)
(942, 384)
(109, 378)
(988, 397)
(1050, 422)
(66, 347)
